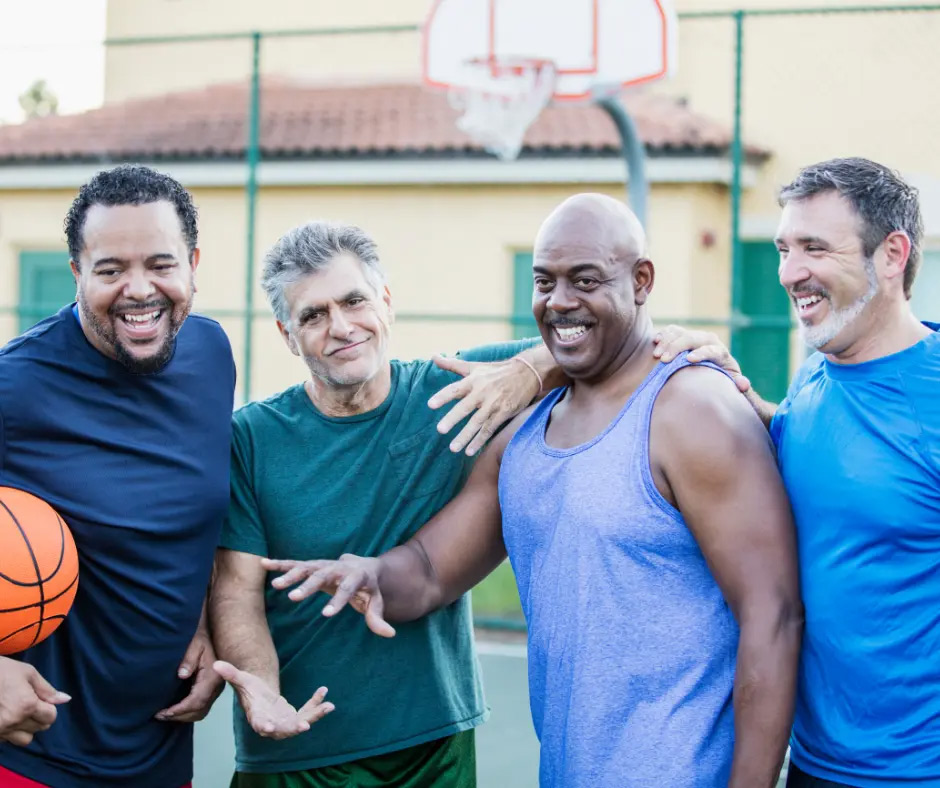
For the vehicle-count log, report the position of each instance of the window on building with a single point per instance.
(523, 324)
(46, 285)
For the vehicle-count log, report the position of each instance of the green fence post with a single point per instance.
(737, 158)
(251, 196)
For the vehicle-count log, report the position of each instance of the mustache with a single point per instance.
(808, 290)
(116, 309)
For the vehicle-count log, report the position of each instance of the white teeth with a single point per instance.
(140, 319)
(802, 303)
(570, 332)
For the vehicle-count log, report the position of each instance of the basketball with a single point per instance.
(38, 570)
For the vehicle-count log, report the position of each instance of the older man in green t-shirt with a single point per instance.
(351, 461)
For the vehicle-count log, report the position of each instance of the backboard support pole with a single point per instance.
(633, 153)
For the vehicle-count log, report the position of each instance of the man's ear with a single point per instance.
(75, 271)
(897, 246)
(387, 298)
(644, 274)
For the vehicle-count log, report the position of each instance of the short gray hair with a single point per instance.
(883, 200)
(309, 248)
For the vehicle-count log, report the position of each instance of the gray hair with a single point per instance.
(882, 199)
(309, 248)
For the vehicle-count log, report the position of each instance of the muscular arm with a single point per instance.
(236, 613)
(713, 459)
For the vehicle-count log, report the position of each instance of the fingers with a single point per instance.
(375, 617)
(470, 430)
(18, 737)
(45, 691)
(317, 581)
(279, 564)
(456, 390)
(195, 706)
(354, 582)
(300, 572)
(458, 413)
(673, 340)
(451, 364)
(743, 383)
(191, 658)
(237, 678)
(315, 709)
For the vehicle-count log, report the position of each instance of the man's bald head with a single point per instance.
(592, 225)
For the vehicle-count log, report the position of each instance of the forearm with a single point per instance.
(241, 635)
(408, 583)
(764, 409)
(764, 690)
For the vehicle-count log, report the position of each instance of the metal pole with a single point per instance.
(633, 153)
(251, 196)
(737, 160)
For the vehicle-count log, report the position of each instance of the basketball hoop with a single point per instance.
(497, 111)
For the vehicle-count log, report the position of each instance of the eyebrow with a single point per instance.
(121, 261)
(309, 311)
(578, 269)
(804, 239)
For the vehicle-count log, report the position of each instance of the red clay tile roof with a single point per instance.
(324, 122)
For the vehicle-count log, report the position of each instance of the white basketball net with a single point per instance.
(498, 114)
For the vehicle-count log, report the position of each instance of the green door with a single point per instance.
(46, 285)
(523, 324)
(763, 349)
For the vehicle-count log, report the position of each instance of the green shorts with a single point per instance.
(443, 763)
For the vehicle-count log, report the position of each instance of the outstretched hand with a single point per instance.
(268, 713)
(702, 346)
(493, 391)
(351, 580)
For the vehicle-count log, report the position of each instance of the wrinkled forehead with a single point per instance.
(131, 231)
(828, 216)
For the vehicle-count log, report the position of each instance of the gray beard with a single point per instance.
(838, 320)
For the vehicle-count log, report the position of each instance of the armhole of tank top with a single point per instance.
(649, 483)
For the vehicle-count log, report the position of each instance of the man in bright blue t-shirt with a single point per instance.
(858, 441)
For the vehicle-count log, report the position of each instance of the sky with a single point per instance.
(55, 40)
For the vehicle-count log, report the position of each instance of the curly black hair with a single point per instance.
(129, 184)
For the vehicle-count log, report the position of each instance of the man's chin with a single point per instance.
(140, 362)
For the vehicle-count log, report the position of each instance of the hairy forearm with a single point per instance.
(241, 636)
(764, 409)
(764, 690)
(409, 585)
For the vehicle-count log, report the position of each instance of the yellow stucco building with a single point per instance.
(347, 134)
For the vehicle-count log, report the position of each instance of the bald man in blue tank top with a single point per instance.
(649, 532)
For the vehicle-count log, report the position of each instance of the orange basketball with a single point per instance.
(38, 570)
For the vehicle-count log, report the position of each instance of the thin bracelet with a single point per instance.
(535, 372)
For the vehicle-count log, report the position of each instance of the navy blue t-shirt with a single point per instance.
(138, 465)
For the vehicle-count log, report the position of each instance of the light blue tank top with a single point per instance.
(631, 645)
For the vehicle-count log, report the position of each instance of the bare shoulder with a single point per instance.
(701, 417)
(501, 441)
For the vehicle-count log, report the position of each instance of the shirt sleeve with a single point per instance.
(243, 529)
(778, 422)
(500, 351)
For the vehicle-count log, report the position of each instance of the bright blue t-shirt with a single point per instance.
(859, 451)
(138, 466)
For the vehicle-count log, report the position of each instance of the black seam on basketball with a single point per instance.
(58, 566)
(37, 624)
(62, 593)
(32, 555)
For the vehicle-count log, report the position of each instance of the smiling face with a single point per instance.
(135, 282)
(833, 285)
(340, 320)
(590, 284)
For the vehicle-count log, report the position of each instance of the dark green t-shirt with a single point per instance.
(306, 485)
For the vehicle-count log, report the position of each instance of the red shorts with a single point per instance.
(10, 780)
